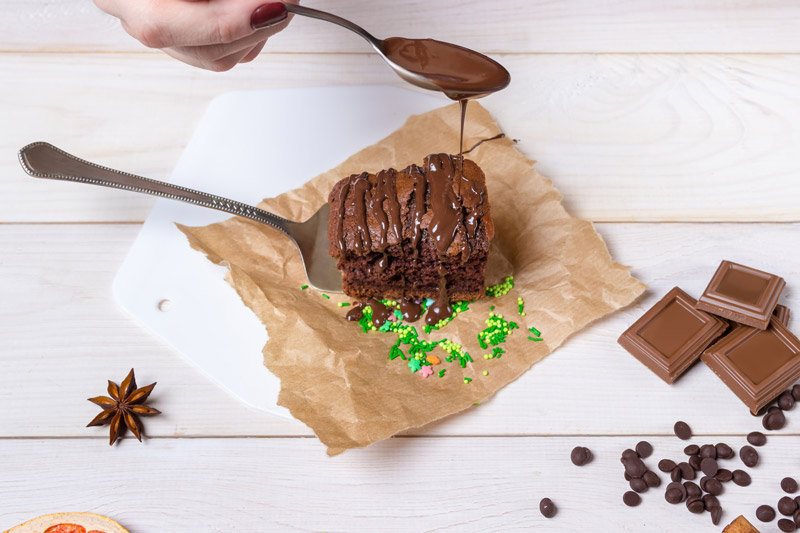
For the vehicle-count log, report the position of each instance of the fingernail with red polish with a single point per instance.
(267, 15)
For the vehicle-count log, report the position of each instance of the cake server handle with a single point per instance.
(43, 160)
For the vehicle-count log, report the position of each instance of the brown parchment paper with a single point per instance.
(338, 380)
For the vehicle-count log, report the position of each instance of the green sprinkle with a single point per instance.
(485, 372)
(491, 308)
(326, 296)
(414, 365)
(343, 304)
(534, 340)
(467, 380)
(441, 373)
(536, 332)
(304, 287)
(501, 289)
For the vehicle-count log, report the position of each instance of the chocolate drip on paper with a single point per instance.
(498, 136)
(411, 310)
(440, 308)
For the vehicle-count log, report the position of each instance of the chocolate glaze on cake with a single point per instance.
(423, 232)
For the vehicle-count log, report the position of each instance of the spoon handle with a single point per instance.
(43, 160)
(329, 17)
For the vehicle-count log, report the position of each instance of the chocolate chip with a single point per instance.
(749, 456)
(581, 455)
(673, 496)
(774, 420)
(631, 499)
(796, 393)
(627, 476)
(692, 449)
(713, 487)
(708, 450)
(724, 451)
(789, 485)
(765, 513)
(786, 400)
(652, 479)
(741, 478)
(638, 484)
(724, 475)
(786, 525)
(644, 449)
(682, 430)
(694, 461)
(547, 508)
(629, 453)
(716, 515)
(692, 489)
(675, 475)
(634, 466)
(666, 465)
(710, 501)
(703, 481)
(756, 438)
(709, 466)
(797, 501)
(787, 506)
(678, 486)
(695, 505)
(687, 472)
(797, 517)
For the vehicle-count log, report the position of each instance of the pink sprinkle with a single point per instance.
(426, 371)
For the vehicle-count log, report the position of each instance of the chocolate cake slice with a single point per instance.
(410, 234)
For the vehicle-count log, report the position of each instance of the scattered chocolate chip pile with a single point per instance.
(703, 460)
(787, 506)
(639, 477)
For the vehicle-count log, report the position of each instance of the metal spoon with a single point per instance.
(43, 160)
(422, 54)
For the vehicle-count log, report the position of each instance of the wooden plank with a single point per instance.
(404, 484)
(499, 27)
(624, 137)
(63, 336)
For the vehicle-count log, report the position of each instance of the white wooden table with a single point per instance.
(676, 129)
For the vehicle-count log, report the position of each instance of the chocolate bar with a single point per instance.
(671, 335)
(782, 313)
(755, 364)
(742, 294)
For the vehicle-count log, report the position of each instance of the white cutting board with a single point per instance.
(248, 145)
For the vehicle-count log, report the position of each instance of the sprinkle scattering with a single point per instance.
(416, 351)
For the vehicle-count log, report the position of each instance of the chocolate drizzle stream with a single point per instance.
(454, 203)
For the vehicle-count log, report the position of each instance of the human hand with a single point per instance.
(211, 34)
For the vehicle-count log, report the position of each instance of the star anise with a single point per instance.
(124, 408)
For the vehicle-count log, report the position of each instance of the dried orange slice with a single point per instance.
(69, 523)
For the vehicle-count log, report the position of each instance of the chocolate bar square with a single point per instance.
(671, 335)
(742, 294)
(757, 365)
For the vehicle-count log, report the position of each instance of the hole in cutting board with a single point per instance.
(165, 305)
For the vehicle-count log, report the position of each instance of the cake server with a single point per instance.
(43, 160)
